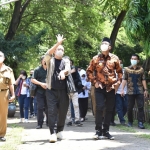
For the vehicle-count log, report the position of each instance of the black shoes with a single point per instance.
(129, 124)
(69, 123)
(103, 135)
(140, 125)
(98, 135)
(38, 127)
(2, 139)
(107, 135)
(78, 123)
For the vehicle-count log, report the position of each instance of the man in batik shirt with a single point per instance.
(102, 72)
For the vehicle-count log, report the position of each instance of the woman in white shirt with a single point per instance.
(83, 96)
(22, 92)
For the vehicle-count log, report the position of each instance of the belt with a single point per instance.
(3, 90)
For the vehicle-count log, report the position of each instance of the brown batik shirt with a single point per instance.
(103, 70)
(134, 79)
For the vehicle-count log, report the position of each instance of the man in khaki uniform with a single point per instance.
(6, 84)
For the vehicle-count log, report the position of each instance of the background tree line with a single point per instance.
(28, 28)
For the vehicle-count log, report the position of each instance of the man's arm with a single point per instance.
(11, 88)
(90, 72)
(145, 88)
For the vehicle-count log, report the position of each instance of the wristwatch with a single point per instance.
(146, 89)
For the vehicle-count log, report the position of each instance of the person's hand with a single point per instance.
(84, 88)
(145, 94)
(60, 38)
(98, 84)
(20, 76)
(61, 75)
(11, 99)
(43, 85)
(122, 93)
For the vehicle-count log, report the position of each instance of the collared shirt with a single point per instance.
(6, 77)
(40, 75)
(104, 69)
(134, 79)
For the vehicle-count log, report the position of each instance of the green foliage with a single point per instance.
(124, 53)
(137, 24)
(21, 49)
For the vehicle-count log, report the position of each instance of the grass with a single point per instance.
(13, 138)
(146, 136)
(125, 128)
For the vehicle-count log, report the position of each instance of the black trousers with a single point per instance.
(140, 104)
(41, 107)
(31, 106)
(83, 106)
(104, 100)
(57, 102)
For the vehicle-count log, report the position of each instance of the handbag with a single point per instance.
(70, 84)
(32, 89)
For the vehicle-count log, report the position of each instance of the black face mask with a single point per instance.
(30, 75)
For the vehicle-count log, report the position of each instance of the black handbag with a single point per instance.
(70, 84)
(32, 89)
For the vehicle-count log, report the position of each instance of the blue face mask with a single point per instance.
(133, 62)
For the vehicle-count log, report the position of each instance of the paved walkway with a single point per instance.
(80, 138)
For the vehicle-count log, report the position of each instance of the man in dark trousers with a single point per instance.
(137, 90)
(102, 74)
(39, 78)
(56, 92)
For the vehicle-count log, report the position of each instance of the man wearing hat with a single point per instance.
(101, 72)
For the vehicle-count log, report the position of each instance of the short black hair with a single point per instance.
(107, 40)
(136, 56)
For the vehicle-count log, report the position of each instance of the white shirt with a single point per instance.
(23, 89)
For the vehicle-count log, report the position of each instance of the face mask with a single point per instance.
(104, 47)
(1, 59)
(121, 65)
(59, 53)
(30, 75)
(133, 62)
(23, 77)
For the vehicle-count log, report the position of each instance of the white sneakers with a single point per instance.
(60, 135)
(26, 121)
(21, 120)
(54, 137)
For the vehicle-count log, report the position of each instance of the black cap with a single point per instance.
(107, 40)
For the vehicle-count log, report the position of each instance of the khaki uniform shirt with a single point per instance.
(6, 77)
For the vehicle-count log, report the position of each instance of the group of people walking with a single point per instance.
(59, 83)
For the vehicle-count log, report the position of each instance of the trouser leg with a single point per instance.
(100, 105)
(26, 107)
(109, 106)
(40, 107)
(76, 106)
(21, 99)
(131, 102)
(3, 112)
(140, 104)
(62, 109)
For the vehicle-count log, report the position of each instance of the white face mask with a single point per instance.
(104, 47)
(59, 53)
(121, 65)
(23, 77)
(133, 62)
(1, 59)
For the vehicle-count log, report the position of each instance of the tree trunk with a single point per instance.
(116, 28)
(16, 19)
